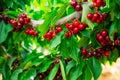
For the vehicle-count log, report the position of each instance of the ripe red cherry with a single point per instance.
(75, 30)
(96, 16)
(99, 21)
(70, 27)
(104, 33)
(99, 2)
(24, 15)
(89, 15)
(97, 35)
(105, 15)
(84, 51)
(49, 34)
(103, 4)
(31, 32)
(88, 55)
(100, 38)
(78, 7)
(67, 25)
(67, 34)
(35, 34)
(19, 25)
(76, 23)
(93, 19)
(27, 31)
(14, 23)
(54, 34)
(107, 38)
(81, 27)
(94, 1)
(27, 19)
(21, 20)
(70, 34)
(102, 44)
(73, 3)
(116, 42)
(107, 53)
(59, 29)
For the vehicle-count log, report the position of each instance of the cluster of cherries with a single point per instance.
(74, 28)
(103, 38)
(98, 3)
(52, 33)
(31, 32)
(76, 5)
(98, 18)
(98, 53)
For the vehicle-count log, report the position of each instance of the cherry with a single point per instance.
(94, 1)
(75, 30)
(107, 38)
(97, 35)
(27, 19)
(21, 20)
(81, 27)
(96, 16)
(94, 53)
(35, 33)
(70, 34)
(88, 55)
(105, 16)
(93, 19)
(73, 3)
(103, 4)
(116, 42)
(59, 29)
(104, 33)
(76, 23)
(102, 44)
(49, 34)
(99, 2)
(78, 7)
(14, 23)
(31, 32)
(99, 21)
(24, 15)
(70, 27)
(53, 35)
(19, 25)
(67, 34)
(84, 51)
(100, 38)
(107, 53)
(67, 25)
(89, 15)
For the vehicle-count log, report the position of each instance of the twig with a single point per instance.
(75, 15)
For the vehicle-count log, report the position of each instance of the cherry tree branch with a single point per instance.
(75, 15)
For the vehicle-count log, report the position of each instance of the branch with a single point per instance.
(75, 15)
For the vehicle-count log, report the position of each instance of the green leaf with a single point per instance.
(44, 66)
(45, 26)
(86, 33)
(84, 19)
(70, 65)
(10, 62)
(76, 72)
(53, 72)
(63, 70)
(4, 31)
(88, 74)
(59, 14)
(56, 40)
(112, 29)
(15, 74)
(30, 73)
(95, 67)
(84, 41)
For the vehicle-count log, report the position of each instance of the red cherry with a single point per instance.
(73, 3)
(67, 34)
(35, 34)
(45, 36)
(102, 44)
(107, 38)
(49, 34)
(14, 23)
(70, 34)
(78, 7)
(107, 53)
(88, 55)
(75, 30)
(67, 25)
(27, 31)
(76, 23)
(99, 21)
(84, 51)
(53, 35)
(105, 15)
(24, 15)
(89, 15)
(81, 27)
(19, 25)
(27, 19)
(21, 20)
(94, 0)
(97, 35)
(31, 32)
(103, 4)
(70, 27)
(116, 42)
(100, 38)
(104, 33)
(96, 16)
(59, 29)
(99, 2)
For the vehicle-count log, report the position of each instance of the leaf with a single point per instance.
(15, 74)
(76, 72)
(30, 74)
(4, 31)
(53, 72)
(84, 19)
(88, 74)
(56, 40)
(63, 70)
(86, 33)
(95, 67)
(84, 41)
(70, 65)
(45, 26)
(112, 30)
(59, 14)
(44, 66)
(10, 62)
